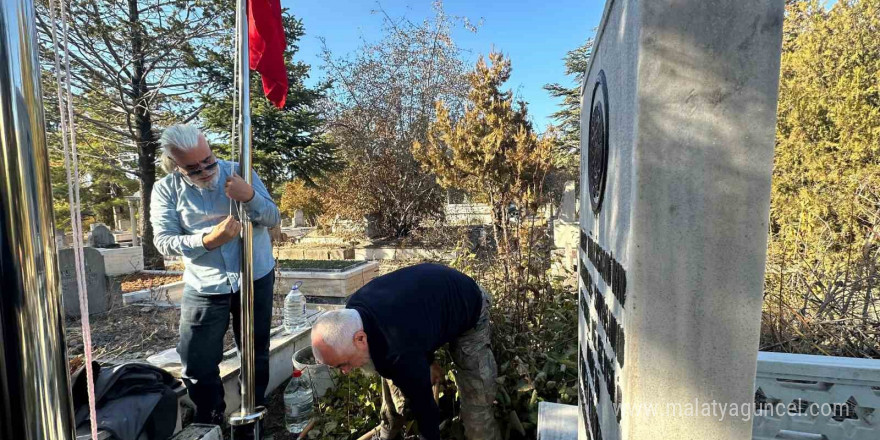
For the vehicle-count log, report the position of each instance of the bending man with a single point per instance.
(394, 324)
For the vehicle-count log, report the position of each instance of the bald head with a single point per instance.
(339, 340)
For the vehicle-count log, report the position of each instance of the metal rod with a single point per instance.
(35, 401)
(248, 414)
(247, 276)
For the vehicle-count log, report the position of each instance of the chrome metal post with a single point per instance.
(35, 401)
(248, 414)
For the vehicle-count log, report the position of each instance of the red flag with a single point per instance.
(266, 43)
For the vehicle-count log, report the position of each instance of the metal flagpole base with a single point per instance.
(247, 426)
(239, 419)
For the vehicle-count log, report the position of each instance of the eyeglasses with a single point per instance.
(203, 166)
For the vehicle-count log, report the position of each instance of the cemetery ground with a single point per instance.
(137, 331)
(534, 363)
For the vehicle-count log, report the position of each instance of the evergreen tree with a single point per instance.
(568, 117)
(824, 217)
(132, 72)
(287, 143)
(493, 152)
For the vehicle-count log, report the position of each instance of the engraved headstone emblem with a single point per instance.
(597, 148)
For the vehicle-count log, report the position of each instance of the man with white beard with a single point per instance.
(393, 325)
(190, 214)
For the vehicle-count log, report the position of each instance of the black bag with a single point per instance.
(133, 401)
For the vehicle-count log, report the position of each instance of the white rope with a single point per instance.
(233, 138)
(71, 164)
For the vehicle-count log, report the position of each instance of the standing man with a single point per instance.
(190, 213)
(394, 324)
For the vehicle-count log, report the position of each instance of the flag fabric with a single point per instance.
(266, 44)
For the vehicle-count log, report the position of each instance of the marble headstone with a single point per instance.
(568, 206)
(678, 112)
(96, 281)
(298, 219)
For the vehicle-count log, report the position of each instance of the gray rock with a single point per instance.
(101, 236)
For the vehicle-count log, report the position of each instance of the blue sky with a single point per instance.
(534, 34)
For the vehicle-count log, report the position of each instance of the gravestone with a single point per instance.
(96, 281)
(568, 207)
(371, 228)
(678, 112)
(566, 231)
(298, 219)
(100, 236)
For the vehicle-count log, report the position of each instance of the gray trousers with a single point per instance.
(475, 378)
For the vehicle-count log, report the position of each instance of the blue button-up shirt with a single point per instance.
(182, 213)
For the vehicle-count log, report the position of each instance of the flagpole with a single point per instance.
(249, 414)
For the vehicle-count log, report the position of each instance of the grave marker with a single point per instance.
(678, 115)
(96, 281)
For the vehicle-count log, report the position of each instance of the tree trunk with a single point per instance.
(115, 192)
(145, 138)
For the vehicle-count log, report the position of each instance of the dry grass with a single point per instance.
(130, 332)
(142, 281)
(825, 307)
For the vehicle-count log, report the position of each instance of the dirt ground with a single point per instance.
(125, 332)
(141, 281)
(135, 332)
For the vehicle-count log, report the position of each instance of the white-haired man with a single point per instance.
(189, 212)
(394, 324)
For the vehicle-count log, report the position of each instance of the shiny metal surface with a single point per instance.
(239, 419)
(35, 401)
(247, 262)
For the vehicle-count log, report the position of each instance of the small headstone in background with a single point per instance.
(568, 207)
(371, 230)
(298, 219)
(101, 236)
(96, 281)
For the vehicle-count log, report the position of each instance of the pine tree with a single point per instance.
(287, 143)
(493, 153)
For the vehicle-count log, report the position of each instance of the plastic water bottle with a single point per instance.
(298, 403)
(295, 310)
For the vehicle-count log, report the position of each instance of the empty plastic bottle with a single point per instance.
(295, 310)
(298, 403)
